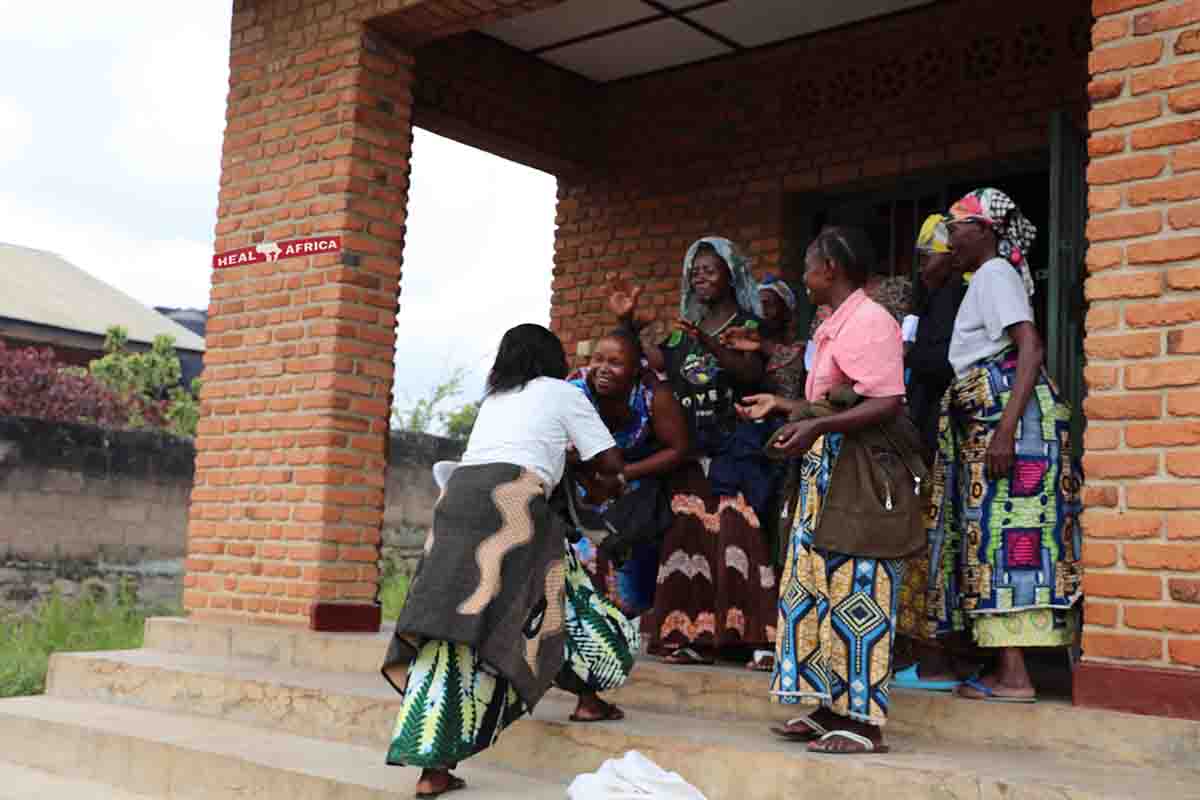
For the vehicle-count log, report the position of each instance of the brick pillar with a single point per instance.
(1142, 524)
(289, 491)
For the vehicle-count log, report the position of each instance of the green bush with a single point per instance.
(393, 589)
(149, 383)
(66, 625)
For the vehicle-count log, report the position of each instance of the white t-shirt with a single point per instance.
(995, 301)
(531, 427)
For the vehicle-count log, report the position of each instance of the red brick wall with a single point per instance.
(1143, 438)
(289, 488)
(716, 148)
(480, 90)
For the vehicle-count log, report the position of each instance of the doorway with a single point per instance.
(1048, 186)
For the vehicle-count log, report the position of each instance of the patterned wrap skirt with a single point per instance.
(1003, 556)
(837, 612)
(717, 587)
(601, 640)
(455, 705)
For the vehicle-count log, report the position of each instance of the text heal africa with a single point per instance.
(273, 251)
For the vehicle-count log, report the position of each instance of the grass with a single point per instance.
(86, 624)
(66, 625)
(393, 590)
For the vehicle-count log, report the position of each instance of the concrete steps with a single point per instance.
(740, 760)
(22, 783)
(133, 753)
(937, 718)
(738, 694)
(224, 711)
(707, 727)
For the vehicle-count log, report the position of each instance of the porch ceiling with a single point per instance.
(614, 39)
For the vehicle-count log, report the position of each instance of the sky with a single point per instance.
(110, 142)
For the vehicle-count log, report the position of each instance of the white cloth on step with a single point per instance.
(633, 777)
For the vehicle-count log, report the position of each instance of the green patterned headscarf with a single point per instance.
(745, 288)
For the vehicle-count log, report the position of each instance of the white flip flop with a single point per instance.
(867, 745)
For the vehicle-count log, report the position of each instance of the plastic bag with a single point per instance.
(633, 777)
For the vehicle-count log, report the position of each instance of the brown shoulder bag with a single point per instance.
(878, 493)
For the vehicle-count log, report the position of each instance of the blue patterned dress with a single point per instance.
(631, 585)
(837, 613)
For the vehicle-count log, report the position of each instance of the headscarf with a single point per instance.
(1016, 234)
(745, 288)
(934, 236)
(773, 283)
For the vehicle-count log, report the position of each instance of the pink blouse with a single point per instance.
(860, 344)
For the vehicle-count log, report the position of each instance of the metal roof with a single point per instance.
(42, 288)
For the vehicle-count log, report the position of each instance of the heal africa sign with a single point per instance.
(269, 252)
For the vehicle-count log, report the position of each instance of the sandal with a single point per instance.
(866, 744)
(989, 695)
(611, 714)
(910, 678)
(763, 661)
(453, 785)
(687, 657)
(815, 730)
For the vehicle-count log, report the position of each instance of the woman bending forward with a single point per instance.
(484, 632)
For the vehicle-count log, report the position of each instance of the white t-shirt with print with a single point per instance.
(995, 301)
(532, 426)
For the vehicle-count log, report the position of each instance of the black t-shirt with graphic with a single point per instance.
(707, 392)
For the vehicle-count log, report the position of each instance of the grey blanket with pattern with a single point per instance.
(492, 577)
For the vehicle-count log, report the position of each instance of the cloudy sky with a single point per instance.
(110, 140)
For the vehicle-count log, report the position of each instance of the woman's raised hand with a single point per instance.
(758, 406)
(624, 298)
(744, 339)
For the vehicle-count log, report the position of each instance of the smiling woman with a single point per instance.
(715, 593)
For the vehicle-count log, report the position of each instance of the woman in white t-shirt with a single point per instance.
(1004, 536)
(483, 634)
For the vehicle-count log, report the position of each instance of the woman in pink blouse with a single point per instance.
(837, 612)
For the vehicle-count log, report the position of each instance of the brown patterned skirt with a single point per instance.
(717, 587)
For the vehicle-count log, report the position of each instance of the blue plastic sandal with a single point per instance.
(909, 679)
(990, 695)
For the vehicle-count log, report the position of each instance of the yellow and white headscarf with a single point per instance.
(934, 236)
